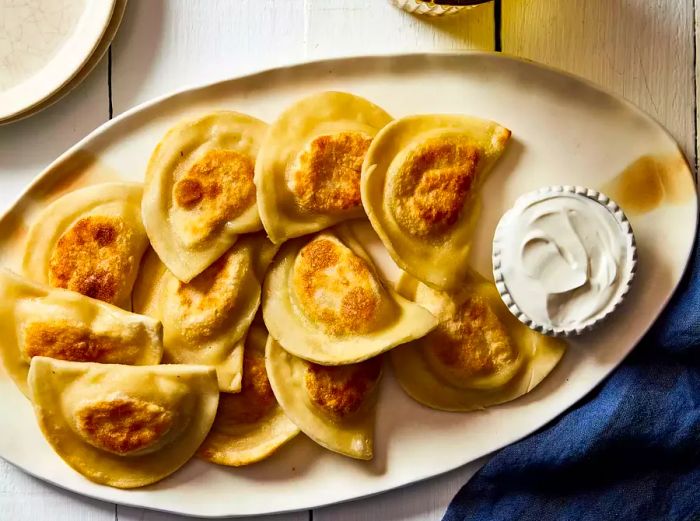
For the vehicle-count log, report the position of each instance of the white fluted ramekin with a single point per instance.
(629, 270)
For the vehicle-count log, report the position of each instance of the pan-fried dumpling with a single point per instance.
(324, 302)
(38, 320)
(420, 183)
(120, 425)
(205, 320)
(308, 171)
(479, 355)
(333, 405)
(91, 241)
(249, 425)
(199, 193)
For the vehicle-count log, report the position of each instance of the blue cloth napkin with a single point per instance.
(629, 451)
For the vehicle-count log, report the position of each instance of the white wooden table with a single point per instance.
(642, 49)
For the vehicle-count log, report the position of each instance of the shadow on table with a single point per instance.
(29, 145)
(472, 29)
(144, 21)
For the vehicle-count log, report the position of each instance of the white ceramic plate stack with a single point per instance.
(48, 47)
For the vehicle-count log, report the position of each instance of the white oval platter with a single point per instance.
(565, 131)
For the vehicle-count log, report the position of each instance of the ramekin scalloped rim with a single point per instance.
(630, 268)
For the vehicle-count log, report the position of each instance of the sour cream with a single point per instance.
(563, 258)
